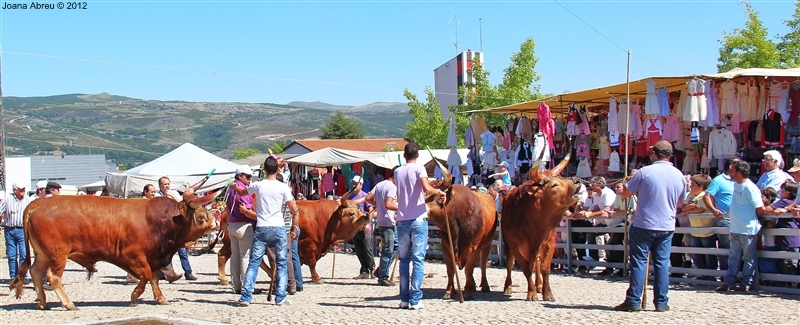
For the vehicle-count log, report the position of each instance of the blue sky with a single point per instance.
(350, 52)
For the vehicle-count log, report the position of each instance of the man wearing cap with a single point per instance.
(52, 189)
(40, 189)
(600, 204)
(384, 198)
(164, 190)
(241, 221)
(660, 189)
(773, 175)
(11, 217)
(363, 242)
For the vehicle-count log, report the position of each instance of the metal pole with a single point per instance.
(625, 239)
(480, 32)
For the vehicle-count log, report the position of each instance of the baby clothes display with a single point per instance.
(613, 127)
(654, 132)
(651, 103)
(524, 157)
(783, 102)
(773, 131)
(663, 101)
(540, 145)
(712, 118)
(622, 118)
(704, 159)
(695, 109)
(672, 131)
(582, 145)
(613, 162)
(742, 101)
(721, 144)
(572, 121)
(613, 139)
(636, 119)
(689, 162)
(605, 150)
(489, 160)
(583, 126)
(730, 104)
(487, 139)
(523, 128)
(584, 170)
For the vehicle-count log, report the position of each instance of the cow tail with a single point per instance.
(19, 281)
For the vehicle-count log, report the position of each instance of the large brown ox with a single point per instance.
(473, 221)
(138, 235)
(323, 224)
(531, 213)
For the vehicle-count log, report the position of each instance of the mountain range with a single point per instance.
(130, 131)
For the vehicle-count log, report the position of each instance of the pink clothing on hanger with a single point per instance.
(546, 123)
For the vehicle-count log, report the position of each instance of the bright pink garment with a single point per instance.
(546, 123)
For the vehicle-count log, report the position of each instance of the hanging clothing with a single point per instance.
(654, 131)
(695, 136)
(600, 167)
(540, 144)
(730, 104)
(742, 100)
(712, 118)
(498, 139)
(523, 128)
(775, 90)
(487, 139)
(663, 101)
(794, 97)
(594, 141)
(605, 149)
(524, 157)
(721, 144)
(689, 162)
(672, 131)
(773, 132)
(752, 102)
(613, 139)
(582, 145)
(642, 148)
(623, 140)
(572, 121)
(613, 127)
(783, 103)
(762, 99)
(489, 160)
(622, 119)
(584, 170)
(613, 162)
(583, 126)
(696, 106)
(469, 136)
(704, 159)
(651, 103)
(636, 120)
(795, 148)
(546, 123)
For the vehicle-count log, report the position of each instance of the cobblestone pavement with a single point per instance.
(345, 301)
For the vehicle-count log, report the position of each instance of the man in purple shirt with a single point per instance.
(363, 242)
(241, 220)
(384, 198)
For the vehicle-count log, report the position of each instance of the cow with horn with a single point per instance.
(88, 229)
(530, 215)
(472, 219)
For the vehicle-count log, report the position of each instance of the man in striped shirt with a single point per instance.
(11, 214)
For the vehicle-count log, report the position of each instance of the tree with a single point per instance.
(341, 127)
(427, 126)
(789, 46)
(244, 153)
(747, 47)
(278, 146)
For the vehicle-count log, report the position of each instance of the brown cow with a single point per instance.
(323, 224)
(473, 221)
(88, 229)
(531, 213)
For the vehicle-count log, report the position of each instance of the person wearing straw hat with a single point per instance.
(11, 218)
(660, 188)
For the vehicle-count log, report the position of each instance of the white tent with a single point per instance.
(184, 166)
(757, 72)
(391, 159)
(332, 156)
(95, 187)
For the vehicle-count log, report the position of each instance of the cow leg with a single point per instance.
(222, 260)
(527, 270)
(40, 264)
(537, 268)
(509, 266)
(469, 279)
(544, 271)
(157, 294)
(448, 262)
(54, 275)
(312, 265)
(483, 259)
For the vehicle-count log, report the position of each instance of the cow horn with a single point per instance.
(199, 184)
(448, 178)
(343, 200)
(560, 168)
(195, 201)
(535, 167)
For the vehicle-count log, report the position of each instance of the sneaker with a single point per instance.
(625, 307)
(723, 288)
(662, 309)
(417, 306)
(385, 283)
(242, 303)
(283, 302)
(404, 305)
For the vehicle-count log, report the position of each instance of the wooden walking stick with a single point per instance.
(450, 236)
(396, 261)
(333, 266)
(646, 277)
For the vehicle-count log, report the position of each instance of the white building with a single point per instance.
(451, 75)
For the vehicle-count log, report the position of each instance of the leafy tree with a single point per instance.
(747, 47)
(244, 153)
(789, 46)
(278, 146)
(427, 127)
(341, 127)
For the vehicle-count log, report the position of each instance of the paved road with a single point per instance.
(343, 300)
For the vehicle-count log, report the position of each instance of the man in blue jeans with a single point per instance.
(412, 224)
(11, 215)
(718, 199)
(271, 195)
(384, 198)
(746, 208)
(660, 189)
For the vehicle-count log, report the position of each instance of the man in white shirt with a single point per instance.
(600, 204)
(271, 195)
(11, 217)
(164, 190)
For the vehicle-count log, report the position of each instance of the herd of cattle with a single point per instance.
(141, 236)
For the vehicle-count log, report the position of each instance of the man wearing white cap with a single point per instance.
(363, 240)
(40, 189)
(11, 213)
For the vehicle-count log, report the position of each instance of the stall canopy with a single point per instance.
(184, 166)
(332, 156)
(758, 72)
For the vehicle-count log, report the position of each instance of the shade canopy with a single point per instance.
(184, 166)
(332, 156)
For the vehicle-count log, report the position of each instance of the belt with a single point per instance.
(697, 94)
(15, 227)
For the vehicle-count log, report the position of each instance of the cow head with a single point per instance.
(547, 190)
(347, 219)
(193, 208)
